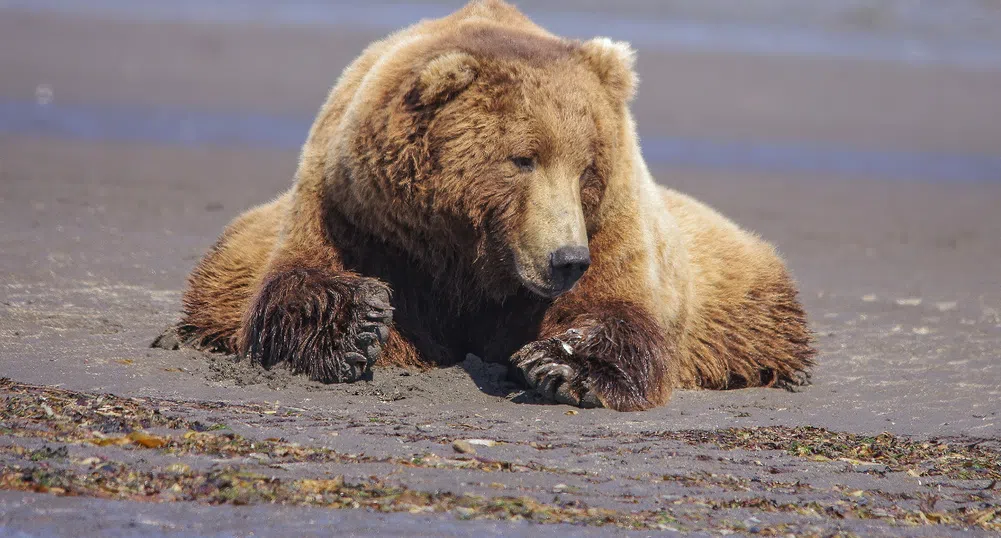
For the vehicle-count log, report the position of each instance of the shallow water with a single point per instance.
(185, 127)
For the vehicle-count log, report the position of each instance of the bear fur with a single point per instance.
(462, 174)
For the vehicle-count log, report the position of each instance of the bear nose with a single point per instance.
(568, 265)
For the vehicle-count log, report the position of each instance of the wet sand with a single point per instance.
(899, 276)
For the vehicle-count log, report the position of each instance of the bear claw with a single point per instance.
(547, 371)
(372, 316)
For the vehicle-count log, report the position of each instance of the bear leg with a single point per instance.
(330, 326)
(616, 359)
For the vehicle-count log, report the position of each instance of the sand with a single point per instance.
(900, 278)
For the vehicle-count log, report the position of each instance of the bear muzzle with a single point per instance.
(550, 241)
(566, 265)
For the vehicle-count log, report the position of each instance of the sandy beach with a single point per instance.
(127, 142)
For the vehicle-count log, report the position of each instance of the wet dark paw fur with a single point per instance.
(330, 327)
(618, 359)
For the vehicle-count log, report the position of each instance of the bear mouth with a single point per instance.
(545, 293)
(547, 290)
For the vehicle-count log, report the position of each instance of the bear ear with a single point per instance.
(613, 62)
(445, 76)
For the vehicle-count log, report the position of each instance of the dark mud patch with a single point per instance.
(384, 383)
(242, 372)
(228, 369)
(389, 384)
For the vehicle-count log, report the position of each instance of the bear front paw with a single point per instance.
(328, 326)
(617, 364)
(549, 368)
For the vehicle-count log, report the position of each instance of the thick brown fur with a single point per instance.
(448, 163)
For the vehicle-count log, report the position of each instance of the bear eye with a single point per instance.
(524, 164)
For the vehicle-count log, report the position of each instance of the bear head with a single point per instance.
(492, 148)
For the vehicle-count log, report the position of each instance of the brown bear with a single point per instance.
(475, 184)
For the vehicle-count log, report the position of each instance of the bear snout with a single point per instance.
(567, 265)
